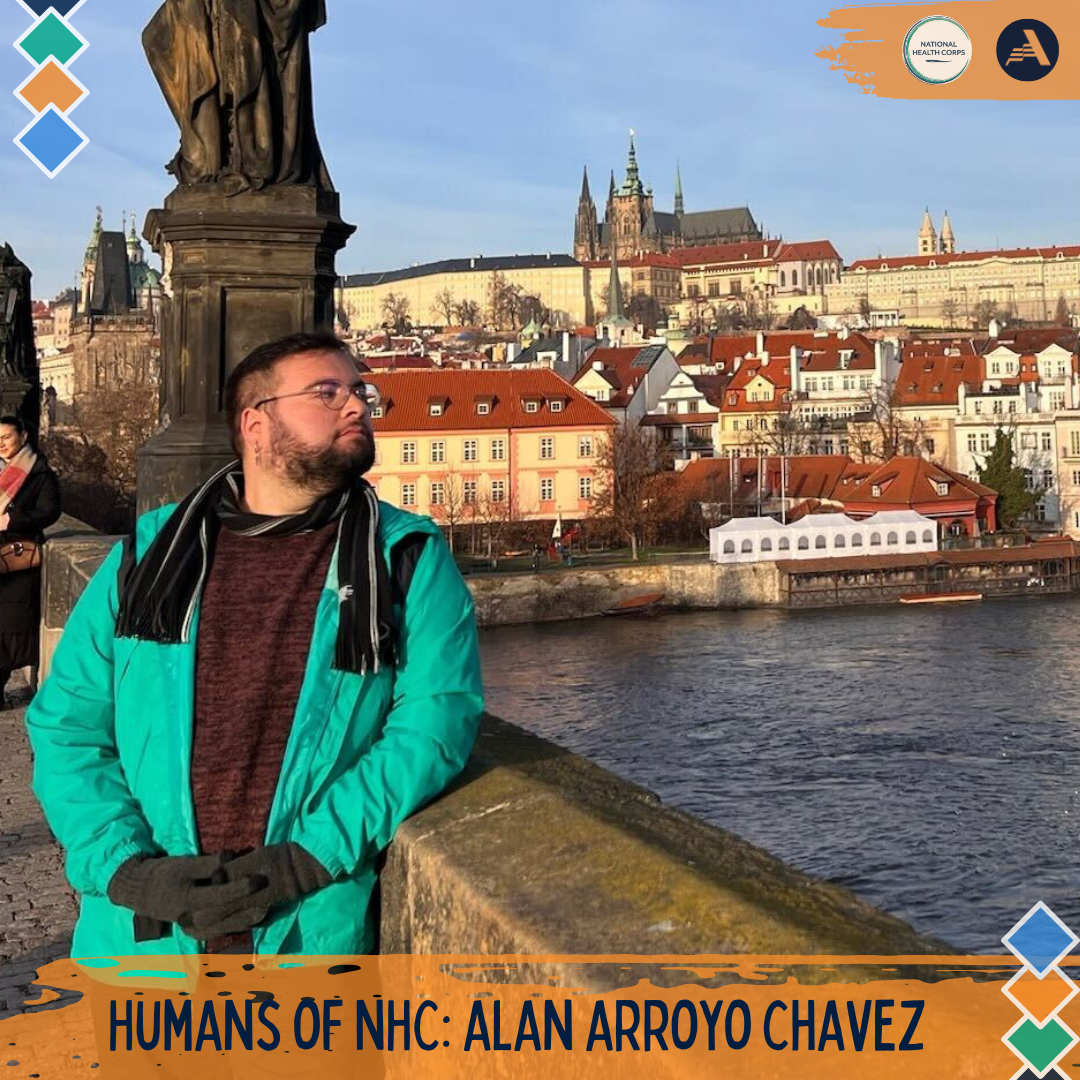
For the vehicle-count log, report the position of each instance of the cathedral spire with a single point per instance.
(633, 179)
(615, 313)
(585, 194)
(679, 211)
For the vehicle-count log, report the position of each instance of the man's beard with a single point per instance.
(329, 469)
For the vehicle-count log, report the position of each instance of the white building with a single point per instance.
(817, 536)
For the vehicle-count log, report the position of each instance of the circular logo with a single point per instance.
(1027, 50)
(937, 49)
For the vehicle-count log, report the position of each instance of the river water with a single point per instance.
(927, 758)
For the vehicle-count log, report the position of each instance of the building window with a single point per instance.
(585, 446)
(893, 539)
(1047, 440)
(408, 494)
(585, 487)
(875, 539)
(498, 490)
(929, 444)
(469, 492)
(435, 408)
(556, 405)
(729, 545)
(483, 408)
(977, 407)
(376, 413)
(819, 541)
(498, 449)
(804, 543)
(856, 540)
(984, 441)
(785, 544)
(783, 280)
(472, 450)
(876, 491)
(547, 489)
(547, 448)
(408, 453)
(532, 406)
(942, 488)
(972, 442)
(794, 279)
(839, 542)
(766, 544)
(1048, 479)
(437, 494)
(438, 452)
(1074, 442)
(747, 547)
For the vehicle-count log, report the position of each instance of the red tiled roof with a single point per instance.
(912, 482)
(407, 395)
(644, 259)
(1031, 339)
(397, 361)
(807, 249)
(808, 476)
(617, 370)
(900, 261)
(936, 380)
(751, 250)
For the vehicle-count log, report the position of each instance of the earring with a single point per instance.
(258, 454)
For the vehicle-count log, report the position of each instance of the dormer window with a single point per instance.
(483, 408)
(377, 412)
(876, 491)
(435, 408)
(942, 487)
(555, 405)
(532, 406)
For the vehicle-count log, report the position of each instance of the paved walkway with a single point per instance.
(37, 909)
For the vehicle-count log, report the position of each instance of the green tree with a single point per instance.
(1016, 499)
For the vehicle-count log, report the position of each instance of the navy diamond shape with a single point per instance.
(51, 139)
(39, 7)
(1039, 941)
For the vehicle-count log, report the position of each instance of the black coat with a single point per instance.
(35, 507)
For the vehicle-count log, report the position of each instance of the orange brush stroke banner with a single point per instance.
(871, 52)
(444, 999)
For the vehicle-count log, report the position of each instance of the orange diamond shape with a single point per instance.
(51, 86)
(1041, 997)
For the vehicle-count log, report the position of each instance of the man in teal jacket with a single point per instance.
(249, 698)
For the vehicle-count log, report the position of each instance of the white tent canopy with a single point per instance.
(817, 536)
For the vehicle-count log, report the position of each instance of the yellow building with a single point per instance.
(942, 288)
(486, 446)
(560, 282)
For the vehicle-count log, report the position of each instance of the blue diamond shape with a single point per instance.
(1040, 941)
(51, 140)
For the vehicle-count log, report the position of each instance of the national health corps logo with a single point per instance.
(937, 49)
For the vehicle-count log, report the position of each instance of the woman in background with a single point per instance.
(29, 504)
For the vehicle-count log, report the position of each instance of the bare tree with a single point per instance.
(627, 462)
(532, 308)
(467, 313)
(801, 319)
(950, 312)
(456, 506)
(504, 302)
(1061, 312)
(395, 312)
(495, 517)
(865, 308)
(759, 311)
(983, 312)
(646, 311)
(444, 306)
(882, 427)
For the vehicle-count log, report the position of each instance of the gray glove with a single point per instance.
(168, 888)
(279, 874)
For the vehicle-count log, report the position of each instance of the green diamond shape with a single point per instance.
(51, 37)
(1040, 1047)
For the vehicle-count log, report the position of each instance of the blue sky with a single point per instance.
(456, 130)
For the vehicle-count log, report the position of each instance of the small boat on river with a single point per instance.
(941, 598)
(646, 604)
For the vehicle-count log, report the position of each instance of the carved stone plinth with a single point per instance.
(240, 270)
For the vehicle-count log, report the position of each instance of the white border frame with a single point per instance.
(37, 22)
(1027, 1066)
(34, 74)
(63, 164)
(1025, 970)
(1040, 906)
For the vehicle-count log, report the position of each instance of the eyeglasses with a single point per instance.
(333, 394)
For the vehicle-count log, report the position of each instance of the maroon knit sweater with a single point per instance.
(255, 627)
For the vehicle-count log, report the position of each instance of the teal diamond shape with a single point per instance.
(1040, 1047)
(51, 36)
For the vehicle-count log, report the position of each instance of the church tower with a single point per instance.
(585, 234)
(948, 239)
(927, 235)
(86, 275)
(632, 207)
(679, 206)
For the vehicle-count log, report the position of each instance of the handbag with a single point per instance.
(16, 555)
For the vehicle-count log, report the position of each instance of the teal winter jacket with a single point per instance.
(111, 730)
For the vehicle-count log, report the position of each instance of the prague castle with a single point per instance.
(636, 226)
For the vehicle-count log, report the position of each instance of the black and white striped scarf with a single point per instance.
(159, 593)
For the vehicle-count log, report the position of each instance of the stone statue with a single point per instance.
(17, 353)
(237, 76)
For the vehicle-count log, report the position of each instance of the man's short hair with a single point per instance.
(253, 378)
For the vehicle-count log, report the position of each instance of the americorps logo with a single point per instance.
(1027, 50)
(50, 91)
(937, 49)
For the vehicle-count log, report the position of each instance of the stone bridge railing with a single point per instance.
(535, 850)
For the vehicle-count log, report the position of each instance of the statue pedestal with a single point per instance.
(240, 270)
